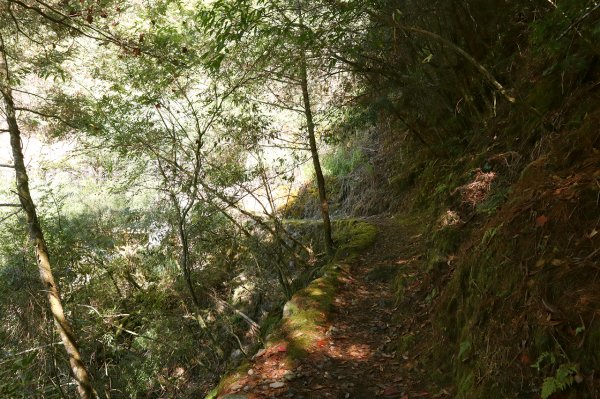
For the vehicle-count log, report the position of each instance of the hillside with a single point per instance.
(255, 199)
(508, 213)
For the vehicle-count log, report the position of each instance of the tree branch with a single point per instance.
(466, 55)
(44, 115)
(5, 218)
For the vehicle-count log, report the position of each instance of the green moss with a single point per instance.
(230, 379)
(465, 385)
(493, 202)
(306, 313)
(443, 242)
(400, 284)
(351, 237)
(406, 342)
(269, 323)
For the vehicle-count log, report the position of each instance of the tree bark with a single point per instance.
(184, 260)
(80, 373)
(310, 126)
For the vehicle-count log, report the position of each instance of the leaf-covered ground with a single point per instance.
(372, 341)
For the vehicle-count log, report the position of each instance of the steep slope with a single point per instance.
(508, 197)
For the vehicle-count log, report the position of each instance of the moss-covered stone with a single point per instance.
(305, 314)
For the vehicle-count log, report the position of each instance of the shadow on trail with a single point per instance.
(358, 356)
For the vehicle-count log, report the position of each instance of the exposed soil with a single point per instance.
(374, 341)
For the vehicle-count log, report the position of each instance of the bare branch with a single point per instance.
(5, 218)
(37, 348)
(50, 116)
(253, 325)
(10, 205)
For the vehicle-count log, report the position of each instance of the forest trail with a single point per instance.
(360, 356)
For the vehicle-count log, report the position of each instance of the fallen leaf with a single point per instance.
(541, 220)
(525, 359)
(390, 391)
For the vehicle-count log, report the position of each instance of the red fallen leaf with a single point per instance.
(281, 348)
(541, 220)
(391, 391)
(321, 343)
(525, 359)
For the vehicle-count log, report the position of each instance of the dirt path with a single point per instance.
(360, 357)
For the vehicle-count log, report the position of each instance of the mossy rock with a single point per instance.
(307, 310)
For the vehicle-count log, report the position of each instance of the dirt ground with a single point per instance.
(374, 340)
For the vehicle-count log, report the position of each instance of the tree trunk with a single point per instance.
(310, 125)
(184, 260)
(82, 378)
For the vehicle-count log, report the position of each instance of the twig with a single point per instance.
(37, 348)
(162, 341)
(9, 216)
(253, 325)
(579, 20)
(466, 55)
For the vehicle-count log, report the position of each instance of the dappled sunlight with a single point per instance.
(356, 352)
(393, 199)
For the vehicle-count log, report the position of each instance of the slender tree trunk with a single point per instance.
(277, 227)
(82, 377)
(310, 125)
(182, 234)
(185, 260)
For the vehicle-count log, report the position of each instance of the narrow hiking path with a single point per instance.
(361, 356)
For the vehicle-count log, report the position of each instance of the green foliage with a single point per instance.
(489, 234)
(173, 103)
(493, 202)
(545, 357)
(464, 350)
(343, 161)
(563, 379)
